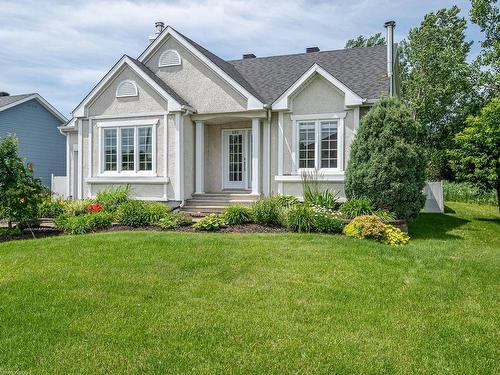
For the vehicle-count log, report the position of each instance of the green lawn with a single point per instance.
(151, 302)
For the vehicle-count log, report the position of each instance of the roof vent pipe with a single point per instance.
(249, 56)
(159, 26)
(3, 93)
(390, 25)
(312, 49)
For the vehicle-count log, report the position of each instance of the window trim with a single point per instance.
(119, 125)
(164, 53)
(318, 119)
(136, 91)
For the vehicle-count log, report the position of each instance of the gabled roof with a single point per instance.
(363, 70)
(159, 81)
(175, 101)
(351, 98)
(224, 69)
(10, 101)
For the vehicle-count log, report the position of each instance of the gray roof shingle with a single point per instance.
(6, 100)
(363, 70)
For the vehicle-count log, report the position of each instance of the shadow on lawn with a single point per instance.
(436, 226)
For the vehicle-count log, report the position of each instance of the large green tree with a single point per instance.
(486, 14)
(387, 163)
(374, 40)
(476, 159)
(436, 81)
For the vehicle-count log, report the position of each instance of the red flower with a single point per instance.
(95, 207)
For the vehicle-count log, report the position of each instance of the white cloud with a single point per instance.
(62, 48)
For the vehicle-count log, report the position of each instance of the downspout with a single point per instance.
(390, 25)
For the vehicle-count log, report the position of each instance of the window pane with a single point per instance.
(328, 144)
(145, 149)
(307, 143)
(127, 143)
(110, 151)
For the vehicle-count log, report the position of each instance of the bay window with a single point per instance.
(127, 149)
(319, 142)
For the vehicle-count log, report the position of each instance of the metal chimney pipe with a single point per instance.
(159, 26)
(390, 25)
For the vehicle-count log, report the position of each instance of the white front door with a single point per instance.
(235, 159)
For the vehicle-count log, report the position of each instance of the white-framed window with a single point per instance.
(318, 142)
(127, 149)
(170, 57)
(126, 88)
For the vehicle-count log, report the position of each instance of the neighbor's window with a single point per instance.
(131, 146)
(318, 144)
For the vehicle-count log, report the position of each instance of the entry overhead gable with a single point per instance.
(283, 102)
(175, 102)
(221, 68)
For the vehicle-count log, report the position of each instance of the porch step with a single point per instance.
(204, 204)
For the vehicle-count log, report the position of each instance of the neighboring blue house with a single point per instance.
(35, 122)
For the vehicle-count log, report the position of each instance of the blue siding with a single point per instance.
(39, 139)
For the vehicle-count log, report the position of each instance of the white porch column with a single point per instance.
(179, 158)
(255, 156)
(266, 158)
(200, 157)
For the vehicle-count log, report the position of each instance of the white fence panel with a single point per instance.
(58, 186)
(434, 197)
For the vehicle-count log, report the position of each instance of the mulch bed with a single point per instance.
(38, 232)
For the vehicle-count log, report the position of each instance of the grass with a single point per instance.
(151, 302)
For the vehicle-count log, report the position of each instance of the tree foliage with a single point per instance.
(374, 40)
(486, 15)
(387, 164)
(477, 156)
(20, 193)
(436, 81)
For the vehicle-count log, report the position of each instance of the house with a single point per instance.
(35, 122)
(182, 125)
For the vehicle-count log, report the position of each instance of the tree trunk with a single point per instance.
(498, 195)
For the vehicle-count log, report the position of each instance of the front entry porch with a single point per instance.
(230, 155)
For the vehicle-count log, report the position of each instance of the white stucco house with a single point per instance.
(181, 125)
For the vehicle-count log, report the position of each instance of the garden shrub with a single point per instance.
(285, 201)
(387, 163)
(154, 211)
(50, 207)
(356, 207)
(385, 215)
(111, 198)
(175, 220)
(315, 194)
(266, 211)
(135, 213)
(300, 218)
(6, 233)
(237, 215)
(394, 236)
(365, 226)
(77, 207)
(83, 223)
(327, 222)
(210, 223)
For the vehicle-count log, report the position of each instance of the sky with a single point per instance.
(61, 49)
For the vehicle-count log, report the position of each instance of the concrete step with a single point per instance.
(217, 202)
(226, 196)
